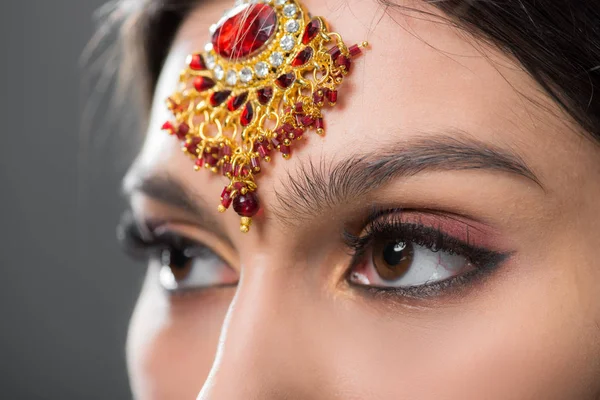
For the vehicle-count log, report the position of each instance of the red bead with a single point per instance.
(255, 162)
(247, 115)
(236, 102)
(285, 81)
(285, 149)
(334, 52)
(311, 31)
(202, 83)
(263, 151)
(183, 130)
(319, 123)
(307, 120)
(354, 50)
(168, 126)
(297, 134)
(226, 200)
(200, 162)
(192, 146)
(246, 205)
(287, 128)
(299, 119)
(211, 160)
(303, 57)
(236, 171)
(343, 61)
(246, 30)
(217, 98)
(225, 151)
(196, 62)
(299, 107)
(226, 168)
(264, 95)
(225, 191)
(332, 96)
(239, 185)
(275, 142)
(318, 97)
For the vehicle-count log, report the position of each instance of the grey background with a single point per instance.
(66, 291)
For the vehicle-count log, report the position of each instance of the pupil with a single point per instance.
(393, 253)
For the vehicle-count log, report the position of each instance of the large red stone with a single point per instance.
(246, 205)
(246, 29)
(303, 57)
(311, 31)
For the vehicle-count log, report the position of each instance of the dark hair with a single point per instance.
(556, 41)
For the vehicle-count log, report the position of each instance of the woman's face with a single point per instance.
(440, 242)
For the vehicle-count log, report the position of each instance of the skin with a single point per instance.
(294, 328)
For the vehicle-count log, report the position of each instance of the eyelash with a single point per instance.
(385, 225)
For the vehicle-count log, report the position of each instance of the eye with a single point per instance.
(402, 264)
(193, 266)
(416, 259)
(184, 263)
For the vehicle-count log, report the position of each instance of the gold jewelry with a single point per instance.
(260, 84)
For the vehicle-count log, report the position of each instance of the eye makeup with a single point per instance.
(437, 232)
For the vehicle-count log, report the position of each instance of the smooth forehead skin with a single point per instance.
(290, 330)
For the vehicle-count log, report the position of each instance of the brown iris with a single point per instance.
(179, 262)
(392, 259)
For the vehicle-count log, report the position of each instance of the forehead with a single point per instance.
(418, 76)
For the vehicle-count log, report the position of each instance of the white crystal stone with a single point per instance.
(290, 10)
(287, 43)
(208, 47)
(280, 2)
(212, 29)
(219, 72)
(262, 69)
(231, 77)
(292, 26)
(246, 75)
(210, 61)
(276, 59)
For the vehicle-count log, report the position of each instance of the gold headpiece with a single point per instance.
(260, 84)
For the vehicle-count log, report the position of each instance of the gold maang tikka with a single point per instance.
(260, 84)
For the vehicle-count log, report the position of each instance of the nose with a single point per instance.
(266, 350)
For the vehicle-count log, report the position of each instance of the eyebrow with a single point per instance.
(170, 191)
(313, 188)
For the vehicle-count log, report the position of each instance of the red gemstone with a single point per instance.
(318, 97)
(167, 126)
(225, 151)
(303, 57)
(211, 159)
(202, 83)
(297, 134)
(334, 52)
(200, 163)
(226, 199)
(244, 30)
(236, 102)
(311, 31)
(196, 62)
(332, 96)
(255, 162)
(355, 50)
(247, 115)
(299, 107)
(319, 123)
(239, 186)
(265, 95)
(263, 151)
(225, 191)
(182, 130)
(307, 120)
(343, 61)
(285, 150)
(192, 146)
(227, 168)
(217, 98)
(285, 81)
(246, 205)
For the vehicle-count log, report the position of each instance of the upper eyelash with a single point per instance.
(388, 224)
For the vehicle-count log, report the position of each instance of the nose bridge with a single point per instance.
(263, 347)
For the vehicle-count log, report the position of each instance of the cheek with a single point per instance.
(172, 340)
